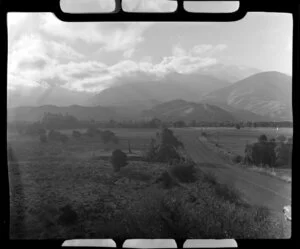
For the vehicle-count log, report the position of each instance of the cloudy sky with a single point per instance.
(44, 51)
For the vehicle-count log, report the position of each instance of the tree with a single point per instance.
(76, 134)
(43, 138)
(237, 126)
(262, 138)
(179, 124)
(281, 138)
(118, 160)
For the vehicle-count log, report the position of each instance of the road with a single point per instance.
(256, 188)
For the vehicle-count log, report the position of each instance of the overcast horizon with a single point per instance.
(44, 52)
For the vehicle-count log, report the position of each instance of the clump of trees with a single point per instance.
(165, 148)
(271, 152)
(43, 138)
(106, 135)
(53, 121)
(76, 134)
(118, 160)
(57, 136)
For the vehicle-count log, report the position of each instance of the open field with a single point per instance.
(44, 178)
(232, 141)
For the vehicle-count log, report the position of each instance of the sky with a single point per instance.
(44, 51)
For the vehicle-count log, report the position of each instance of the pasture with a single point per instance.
(234, 140)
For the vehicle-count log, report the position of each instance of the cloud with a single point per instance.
(109, 36)
(202, 48)
(128, 53)
(177, 51)
(208, 48)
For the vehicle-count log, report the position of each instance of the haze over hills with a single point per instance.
(187, 111)
(148, 93)
(268, 94)
(261, 97)
(230, 73)
(33, 113)
(37, 96)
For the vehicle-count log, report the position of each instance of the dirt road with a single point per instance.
(256, 188)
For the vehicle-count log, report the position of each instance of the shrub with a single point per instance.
(185, 173)
(237, 159)
(43, 138)
(262, 138)
(166, 153)
(237, 126)
(54, 135)
(166, 180)
(227, 192)
(263, 153)
(63, 138)
(118, 160)
(67, 216)
(93, 132)
(281, 138)
(108, 136)
(283, 154)
(204, 134)
(76, 134)
(167, 138)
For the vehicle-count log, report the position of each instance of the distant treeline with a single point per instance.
(59, 121)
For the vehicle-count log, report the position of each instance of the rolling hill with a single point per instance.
(35, 113)
(268, 94)
(187, 111)
(144, 94)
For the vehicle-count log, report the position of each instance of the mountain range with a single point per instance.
(263, 96)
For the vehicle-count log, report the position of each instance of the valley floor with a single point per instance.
(44, 178)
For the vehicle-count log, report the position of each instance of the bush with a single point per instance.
(93, 132)
(68, 216)
(43, 138)
(167, 138)
(281, 138)
(54, 135)
(260, 153)
(166, 153)
(64, 138)
(184, 173)
(237, 126)
(108, 136)
(167, 181)
(237, 159)
(283, 154)
(76, 134)
(262, 138)
(118, 160)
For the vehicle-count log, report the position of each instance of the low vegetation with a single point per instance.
(165, 148)
(70, 194)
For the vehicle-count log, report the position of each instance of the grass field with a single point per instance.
(232, 142)
(235, 140)
(44, 178)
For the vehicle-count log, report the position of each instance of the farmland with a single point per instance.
(234, 140)
(45, 177)
(231, 142)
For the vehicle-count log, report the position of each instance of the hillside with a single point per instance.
(267, 94)
(97, 113)
(147, 93)
(187, 111)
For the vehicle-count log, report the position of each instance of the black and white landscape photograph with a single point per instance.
(149, 129)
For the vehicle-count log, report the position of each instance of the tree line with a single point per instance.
(52, 121)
